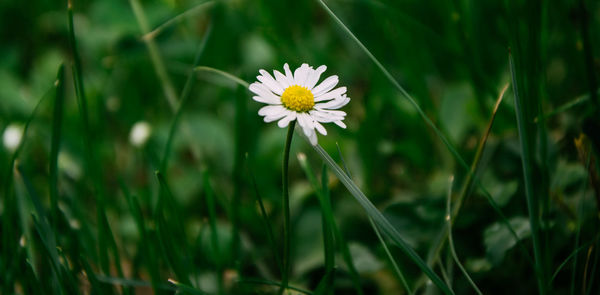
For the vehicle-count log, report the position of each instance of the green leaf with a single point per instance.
(498, 240)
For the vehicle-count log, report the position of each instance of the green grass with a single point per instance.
(499, 96)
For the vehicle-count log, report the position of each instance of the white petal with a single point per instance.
(325, 86)
(306, 122)
(291, 116)
(282, 79)
(320, 128)
(340, 123)
(314, 76)
(275, 117)
(268, 80)
(333, 104)
(325, 116)
(301, 74)
(265, 93)
(336, 93)
(266, 100)
(271, 110)
(288, 74)
(313, 138)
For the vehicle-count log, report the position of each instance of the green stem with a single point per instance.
(286, 209)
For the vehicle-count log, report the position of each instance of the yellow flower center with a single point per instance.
(298, 98)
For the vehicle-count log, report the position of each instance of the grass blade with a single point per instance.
(271, 283)
(327, 221)
(381, 221)
(224, 74)
(171, 233)
(450, 240)
(157, 62)
(214, 234)
(421, 113)
(467, 188)
(379, 237)
(9, 236)
(532, 199)
(265, 216)
(55, 144)
(185, 94)
(148, 248)
(176, 19)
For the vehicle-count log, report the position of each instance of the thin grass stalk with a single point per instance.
(451, 241)
(588, 54)
(271, 283)
(55, 144)
(285, 203)
(176, 19)
(467, 188)
(150, 260)
(184, 97)
(588, 288)
(532, 199)
(10, 205)
(44, 230)
(379, 237)
(327, 222)
(265, 216)
(157, 62)
(240, 148)
(422, 114)
(388, 229)
(214, 233)
(390, 257)
(92, 167)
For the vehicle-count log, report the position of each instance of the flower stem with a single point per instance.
(286, 210)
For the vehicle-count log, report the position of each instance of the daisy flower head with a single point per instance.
(296, 96)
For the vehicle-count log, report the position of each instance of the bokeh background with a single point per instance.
(451, 56)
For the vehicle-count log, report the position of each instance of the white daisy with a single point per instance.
(298, 97)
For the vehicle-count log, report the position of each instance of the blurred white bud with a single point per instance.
(140, 132)
(12, 137)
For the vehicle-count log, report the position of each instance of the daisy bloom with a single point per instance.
(298, 97)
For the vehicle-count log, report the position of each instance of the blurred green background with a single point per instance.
(118, 231)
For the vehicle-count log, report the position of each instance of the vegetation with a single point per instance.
(134, 160)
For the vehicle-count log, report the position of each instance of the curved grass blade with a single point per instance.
(450, 240)
(185, 94)
(381, 240)
(388, 229)
(271, 283)
(44, 231)
(185, 289)
(157, 61)
(224, 74)
(573, 254)
(176, 19)
(422, 114)
(10, 205)
(467, 188)
(575, 102)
